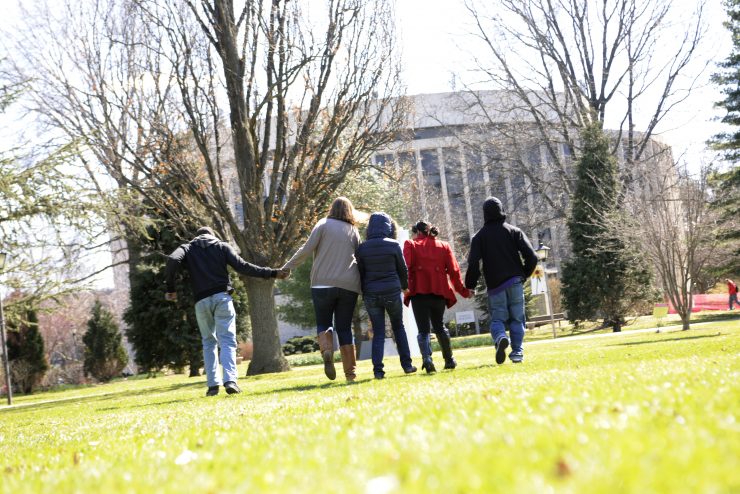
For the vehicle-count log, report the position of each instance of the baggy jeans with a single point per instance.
(217, 323)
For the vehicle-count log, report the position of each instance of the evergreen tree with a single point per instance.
(726, 185)
(605, 277)
(105, 356)
(26, 354)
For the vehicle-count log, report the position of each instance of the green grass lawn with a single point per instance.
(640, 413)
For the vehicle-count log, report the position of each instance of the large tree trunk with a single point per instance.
(268, 354)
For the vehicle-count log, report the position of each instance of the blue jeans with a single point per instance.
(377, 305)
(334, 308)
(217, 324)
(507, 309)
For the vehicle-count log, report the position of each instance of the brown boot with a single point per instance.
(349, 361)
(326, 347)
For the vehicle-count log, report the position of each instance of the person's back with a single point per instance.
(380, 259)
(332, 243)
(508, 259)
(383, 274)
(206, 259)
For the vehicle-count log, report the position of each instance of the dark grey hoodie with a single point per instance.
(206, 258)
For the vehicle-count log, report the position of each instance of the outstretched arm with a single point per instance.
(453, 270)
(306, 249)
(246, 268)
(174, 261)
(473, 272)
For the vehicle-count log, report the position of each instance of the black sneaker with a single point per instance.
(379, 375)
(232, 388)
(212, 391)
(410, 370)
(451, 363)
(501, 347)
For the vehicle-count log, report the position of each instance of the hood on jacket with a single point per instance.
(379, 226)
(493, 210)
(205, 240)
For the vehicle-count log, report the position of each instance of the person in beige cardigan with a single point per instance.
(335, 283)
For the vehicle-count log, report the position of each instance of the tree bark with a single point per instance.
(268, 354)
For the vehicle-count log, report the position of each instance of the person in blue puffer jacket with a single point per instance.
(384, 277)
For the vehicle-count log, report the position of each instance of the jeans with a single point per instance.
(334, 308)
(377, 305)
(217, 323)
(428, 309)
(733, 298)
(507, 308)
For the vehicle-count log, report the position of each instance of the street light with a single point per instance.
(543, 252)
(6, 361)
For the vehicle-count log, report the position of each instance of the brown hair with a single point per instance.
(425, 228)
(342, 210)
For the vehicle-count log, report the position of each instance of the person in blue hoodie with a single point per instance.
(384, 277)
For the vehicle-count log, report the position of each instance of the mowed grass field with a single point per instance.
(649, 412)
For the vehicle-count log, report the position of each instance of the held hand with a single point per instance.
(406, 292)
(170, 296)
(283, 274)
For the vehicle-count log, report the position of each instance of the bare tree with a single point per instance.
(563, 63)
(670, 221)
(279, 109)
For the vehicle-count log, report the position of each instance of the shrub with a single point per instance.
(300, 344)
(26, 355)
(105, 356)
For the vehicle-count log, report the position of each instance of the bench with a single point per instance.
(535, 321)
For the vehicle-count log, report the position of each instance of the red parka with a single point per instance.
(433, 269)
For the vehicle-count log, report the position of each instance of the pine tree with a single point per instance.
(726, 185)
(604, 277)
(26, 354)
(105, 356)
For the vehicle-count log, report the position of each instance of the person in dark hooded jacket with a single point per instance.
(384, 276)
(508, 259)
(207, 258)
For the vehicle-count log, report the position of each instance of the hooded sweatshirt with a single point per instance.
(206, 258)
(380, 259)
(501, 247)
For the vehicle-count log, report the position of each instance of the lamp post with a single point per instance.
(6, 361)
(543, 252)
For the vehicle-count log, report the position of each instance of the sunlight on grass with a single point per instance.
(632, 413)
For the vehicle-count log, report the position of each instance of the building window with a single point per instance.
(430, 168)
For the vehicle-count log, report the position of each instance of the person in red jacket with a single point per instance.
(732, 290)
(433, 272)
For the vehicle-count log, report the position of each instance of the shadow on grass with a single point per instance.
(663, 340)
(46, 405)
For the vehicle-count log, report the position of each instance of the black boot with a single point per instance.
(443, 337)
(425, 346)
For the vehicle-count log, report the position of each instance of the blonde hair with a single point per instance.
(342, 210)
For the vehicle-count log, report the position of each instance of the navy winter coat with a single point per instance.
(380, 259)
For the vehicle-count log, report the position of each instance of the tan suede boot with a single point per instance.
(326, 347)
(349, 361)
